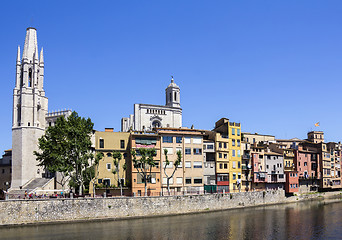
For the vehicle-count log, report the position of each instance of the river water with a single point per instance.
(304, 220)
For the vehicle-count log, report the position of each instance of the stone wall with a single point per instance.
(38, 211)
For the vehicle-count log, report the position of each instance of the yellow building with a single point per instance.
(228, 154)
(105, 181)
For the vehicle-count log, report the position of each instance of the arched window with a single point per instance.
(30, 78)
(175, 96)
(156, 124)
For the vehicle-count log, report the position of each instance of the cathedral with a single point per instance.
(148, 116)
(30, 115)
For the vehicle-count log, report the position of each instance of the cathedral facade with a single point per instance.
(148, 116)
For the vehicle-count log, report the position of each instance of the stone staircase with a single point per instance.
(31, 186)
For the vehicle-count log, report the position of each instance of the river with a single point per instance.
(304, 220)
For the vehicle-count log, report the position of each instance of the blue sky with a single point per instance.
(274, 66)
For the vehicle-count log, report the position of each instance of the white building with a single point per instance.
(30, 114)
(148, 116)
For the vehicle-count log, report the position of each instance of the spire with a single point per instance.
(18, 55)
(30, 43)
(41, 58)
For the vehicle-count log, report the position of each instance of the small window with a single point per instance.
(167, 139)
(225, 166)
(233, 153)
(188, 151)
(122, 143)
(238, 143)
(233, 142)
(197, 151)
(109, 166)
(109, 154)
(197, 180)
(179, 180)
(233, 131)
(234, 164)
(238, 132)
(101, 143)
(188, 180)
(225, 156)
(197, 140)
(187, 164)
(28, 124)
(221, 165)
(220, 155)
(197, 164)
(239, 164)
(220, 145)
(187, 140)
(99, 180)
(234, 176)
(178, 139)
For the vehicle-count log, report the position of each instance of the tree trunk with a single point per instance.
(168, 186)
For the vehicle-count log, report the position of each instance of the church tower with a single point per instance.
(30, 106)
(172, 95)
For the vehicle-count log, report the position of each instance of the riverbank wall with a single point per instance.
(14, 212)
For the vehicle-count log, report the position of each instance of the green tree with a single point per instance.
(93, 178)
(144, 163)
(66, 148)
(117, 158)
(176, 164)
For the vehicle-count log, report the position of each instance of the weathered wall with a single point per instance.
(35, 211)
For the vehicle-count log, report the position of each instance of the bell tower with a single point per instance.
(172, 95)
(30, 106)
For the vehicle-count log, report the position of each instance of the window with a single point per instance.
(179, 180)
(233, 142)
(234, 164)
(197, 164)
(178, 139)
(238, 153)
(221, 165)
(239, 175)
(225, 145)
(220, 145)
(109, 166)
(234, 176)
(233, 131)
(188, 180)
(225, 156)
(267, 166)
(167, 139)
(188, 151)
(165, 180)
(225, 166)
(220, 155)
(101, 143)
(305, 163)
(197, 151)
(187, 164)
(197, 180)
(99, 180)
(109, 154)
(187, 140)
(197, 140)
(238, 143)
(122, 143)
(210, 146)
(233, 153)
(239, 164)
(238, 132)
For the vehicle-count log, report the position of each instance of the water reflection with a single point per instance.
(309, 220)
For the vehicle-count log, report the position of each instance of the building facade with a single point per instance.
(148, 116)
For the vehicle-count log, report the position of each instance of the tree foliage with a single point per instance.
(144, 163)
(66, 148)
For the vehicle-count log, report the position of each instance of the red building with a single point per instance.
(292, 182)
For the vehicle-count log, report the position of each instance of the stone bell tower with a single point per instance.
(30, 106)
